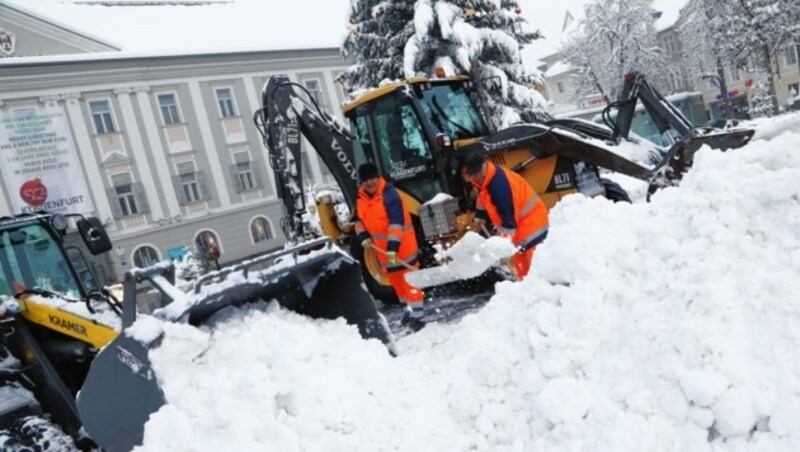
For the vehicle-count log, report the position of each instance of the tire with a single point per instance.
(615, 192)
(377, 283)
(35, 434)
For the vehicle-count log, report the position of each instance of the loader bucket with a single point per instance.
(680, 156)
(121, 389)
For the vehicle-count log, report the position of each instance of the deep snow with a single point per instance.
(669, 325)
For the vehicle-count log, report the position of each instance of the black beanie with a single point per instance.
(367, 171)
(474, 162)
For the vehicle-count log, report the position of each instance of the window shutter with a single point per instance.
(236, 180)
(116, 212)
(205, 192)
(185, 168)
(256, 169)
(141, 197)
(176, 184)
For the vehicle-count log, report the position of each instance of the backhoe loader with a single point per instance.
(418, 131)
(68, 352)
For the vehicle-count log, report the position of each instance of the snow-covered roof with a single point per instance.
(558, 68)
(199, 26)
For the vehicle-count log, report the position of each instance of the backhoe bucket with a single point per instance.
(121, 389)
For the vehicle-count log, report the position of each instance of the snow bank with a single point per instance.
(663, 326)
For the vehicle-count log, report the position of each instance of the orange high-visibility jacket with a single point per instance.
(385, 218)
(513, 207)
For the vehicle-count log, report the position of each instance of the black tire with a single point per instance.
(35, 434)
(385, 294)
(615, 192)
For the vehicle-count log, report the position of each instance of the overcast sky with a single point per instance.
(259, 24)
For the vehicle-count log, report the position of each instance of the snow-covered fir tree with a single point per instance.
(376, 37)
(451, 35)
(761, 104)
(615, 38)
(753, 33)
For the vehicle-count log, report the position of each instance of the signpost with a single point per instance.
(40, 164)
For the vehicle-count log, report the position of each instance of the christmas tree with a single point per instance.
(376, 37)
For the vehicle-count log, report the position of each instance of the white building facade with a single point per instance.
(166, 143)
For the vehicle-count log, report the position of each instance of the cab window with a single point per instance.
(403, 149)
(30, 257)
(452, 111)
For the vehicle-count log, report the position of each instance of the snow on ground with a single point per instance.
(669, 325)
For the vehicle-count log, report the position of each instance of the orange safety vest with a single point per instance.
(513, 206)
(384, 218)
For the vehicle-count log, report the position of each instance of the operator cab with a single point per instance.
(32, 254)
(397, 126)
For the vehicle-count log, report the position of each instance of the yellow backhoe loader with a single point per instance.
(417, 132)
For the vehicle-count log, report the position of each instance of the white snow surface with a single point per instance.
(661, 326)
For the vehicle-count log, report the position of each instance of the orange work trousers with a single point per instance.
(522, 262)
(407, 293)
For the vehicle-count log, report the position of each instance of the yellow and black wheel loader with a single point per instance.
(66, 355)
(418, 132)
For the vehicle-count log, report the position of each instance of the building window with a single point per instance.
(187, 183)
(790, 55)
(669, 44)
(145, 256)
(169, 109)
(101, 115)
(243, 174)
(206, 241)
(560, 86)
(315, 91)
(735, 76)
(124, 193)
(675, 79)
(225, 102)
(260, 229)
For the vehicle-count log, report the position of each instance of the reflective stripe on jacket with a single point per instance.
(513, 206)
(384, 218)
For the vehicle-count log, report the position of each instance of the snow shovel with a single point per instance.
(400, 261)
(470, 257)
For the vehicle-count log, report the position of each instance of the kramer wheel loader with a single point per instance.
(70, 351)
(418, 131)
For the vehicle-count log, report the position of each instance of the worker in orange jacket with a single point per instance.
(512, 205)
(384, 223)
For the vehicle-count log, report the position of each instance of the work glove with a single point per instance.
(392, 256)
(366, 243)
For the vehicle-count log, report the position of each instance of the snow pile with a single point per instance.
(662, 326)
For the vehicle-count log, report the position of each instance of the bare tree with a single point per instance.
(617, 37)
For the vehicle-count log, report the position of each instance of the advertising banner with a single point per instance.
(40, 164)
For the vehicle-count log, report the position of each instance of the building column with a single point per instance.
(153, 134)
(254, 100)
(91, 168)
(217, 173)
(5, 206)
(139, 153)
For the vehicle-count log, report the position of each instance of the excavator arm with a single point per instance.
(289, 111)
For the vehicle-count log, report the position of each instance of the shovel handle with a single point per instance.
(401, 261)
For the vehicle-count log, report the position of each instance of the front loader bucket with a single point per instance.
(680, 157)
(316, 279)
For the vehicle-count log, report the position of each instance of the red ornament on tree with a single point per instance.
(518, 10)
(33, 192)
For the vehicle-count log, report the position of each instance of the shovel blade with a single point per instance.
(470, 257)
